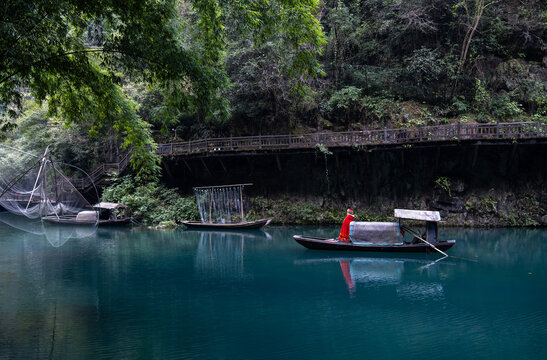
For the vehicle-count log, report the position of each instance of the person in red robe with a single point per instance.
(344, 232)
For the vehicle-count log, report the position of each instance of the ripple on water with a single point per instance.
(172, 295)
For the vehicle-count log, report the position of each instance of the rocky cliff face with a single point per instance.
(471, 184)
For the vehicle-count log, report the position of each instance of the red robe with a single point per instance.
(344, 232)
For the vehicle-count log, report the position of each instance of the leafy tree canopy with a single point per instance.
(74, 54)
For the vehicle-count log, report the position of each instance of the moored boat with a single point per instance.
(82, 218)
(256, 224)
(221, 207)
(316, 243)
(386, 236)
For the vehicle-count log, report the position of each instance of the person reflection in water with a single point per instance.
(344, 232)
(346, 271)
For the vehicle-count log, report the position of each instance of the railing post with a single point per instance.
(231, 145)
(290, 140)
(459, 129)
(498, 128)
(538, 124)
(385, 134)
(420, 131)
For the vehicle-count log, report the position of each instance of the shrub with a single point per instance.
(151, 203)
(503, 108)
(443, 183)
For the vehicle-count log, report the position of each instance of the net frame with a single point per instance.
(50, 185)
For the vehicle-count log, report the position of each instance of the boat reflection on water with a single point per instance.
(59, 234)
(221, 254)
(413, 277)
(56, 234)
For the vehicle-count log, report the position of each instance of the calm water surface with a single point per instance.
(142, 294)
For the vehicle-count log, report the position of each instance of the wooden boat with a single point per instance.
(72, 219)
(221, 207)
(256, 224)
(104, 214)
(386, 236)
(115, 222)
(316, 243)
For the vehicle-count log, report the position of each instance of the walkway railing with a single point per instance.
(522, 130)
(453, 132)
(100, 174)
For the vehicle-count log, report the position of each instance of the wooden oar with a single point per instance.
(433, 246)
(432, 263)
(425, 241)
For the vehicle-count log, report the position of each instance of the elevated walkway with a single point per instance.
(350, 139)
(384, 137)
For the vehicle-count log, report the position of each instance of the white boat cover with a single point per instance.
(418, 215)
(377, 233)
(87, 216)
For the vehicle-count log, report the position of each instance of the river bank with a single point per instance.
(488, 208)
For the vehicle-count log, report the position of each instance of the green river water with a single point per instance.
(179, 294)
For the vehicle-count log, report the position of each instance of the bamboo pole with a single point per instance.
(241, 200)
(425, 241)
(210, 205)
(37, 177)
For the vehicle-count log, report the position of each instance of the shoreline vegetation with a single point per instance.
(156, 205)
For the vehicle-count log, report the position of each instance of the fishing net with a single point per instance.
(37, 187)
(220, 204)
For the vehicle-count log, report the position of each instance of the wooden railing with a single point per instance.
(453, 132)
(522, 130)
(100, 174)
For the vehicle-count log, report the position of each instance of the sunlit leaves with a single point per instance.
(70, 52)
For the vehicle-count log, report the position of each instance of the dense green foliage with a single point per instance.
(151, 203)
(78, 55)
(401, 63)
(36, 130)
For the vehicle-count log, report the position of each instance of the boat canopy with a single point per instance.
(109, 205)
(423, 215)
(379, 233)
